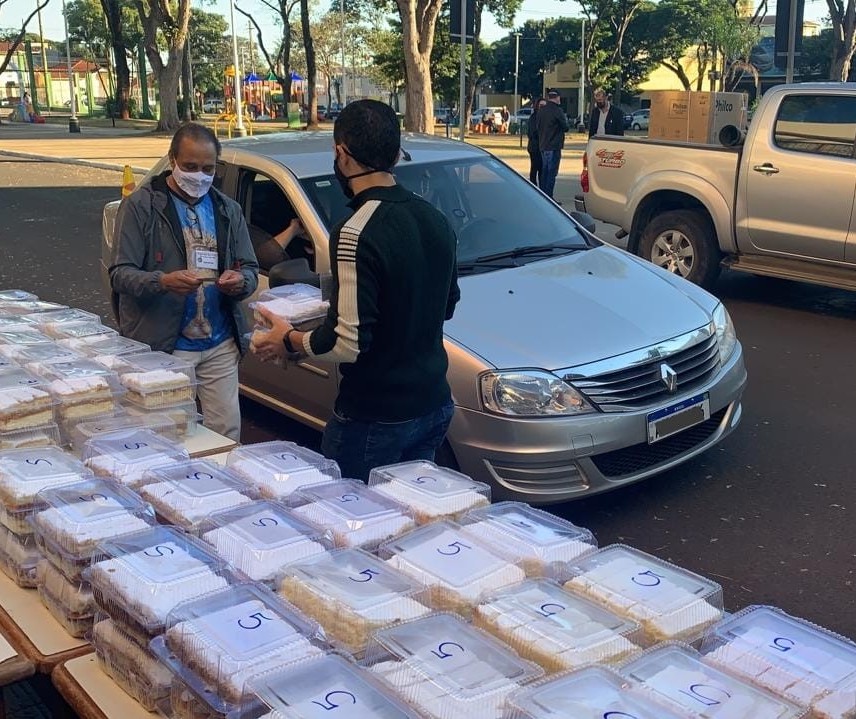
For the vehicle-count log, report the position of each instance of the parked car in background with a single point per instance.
(639, 119)
(643, 373)
(523, 115)
(213, 105)
(477, 116)
(442, 115)
(322, 112)
(628, 120)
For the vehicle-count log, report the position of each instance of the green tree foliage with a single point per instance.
(211, 51)
(87, 28)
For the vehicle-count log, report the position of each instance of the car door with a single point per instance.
(306, 389)
(799, 182)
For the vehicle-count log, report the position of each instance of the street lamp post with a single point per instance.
(581, 101)
(343, 99)
(516, 73)
(240, 130)
(73, 122)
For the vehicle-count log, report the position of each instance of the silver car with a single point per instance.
(575, 367)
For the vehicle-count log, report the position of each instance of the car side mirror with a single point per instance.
(291, 272)
(585, 220)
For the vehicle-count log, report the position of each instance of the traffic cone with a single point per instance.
(128, 182)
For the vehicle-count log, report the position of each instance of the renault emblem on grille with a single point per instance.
(668, 377)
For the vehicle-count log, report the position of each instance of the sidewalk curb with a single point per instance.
(73, 161)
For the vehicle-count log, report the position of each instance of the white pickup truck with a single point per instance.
(779, 202)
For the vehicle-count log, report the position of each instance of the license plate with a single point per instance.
(678, 417)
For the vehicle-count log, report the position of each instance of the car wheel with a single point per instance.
(636, 126)
(683, 242)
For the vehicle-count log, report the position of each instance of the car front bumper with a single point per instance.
(543, 461)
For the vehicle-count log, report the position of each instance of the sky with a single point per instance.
(14, 11)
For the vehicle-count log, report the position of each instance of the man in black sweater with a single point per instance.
(394, 284)
(552, 124)
(607, 119)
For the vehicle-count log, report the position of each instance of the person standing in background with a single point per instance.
(552, 124)
(532, 142)
(607, 119)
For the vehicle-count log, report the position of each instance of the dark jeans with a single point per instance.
(550, 160)
(534, 166)
(359, 446)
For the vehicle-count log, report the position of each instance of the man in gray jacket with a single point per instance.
(182, 262)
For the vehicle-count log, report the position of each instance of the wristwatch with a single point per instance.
(287, 341)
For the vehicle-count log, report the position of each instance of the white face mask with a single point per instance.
(195, 184)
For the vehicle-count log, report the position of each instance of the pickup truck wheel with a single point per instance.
(682, 241)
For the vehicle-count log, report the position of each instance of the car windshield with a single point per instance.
(500, 219)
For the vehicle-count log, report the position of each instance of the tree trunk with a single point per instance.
(843, 38)
(311, 69)
(113, 13)
(678, 69)
(187, 84)
(418, 20)
(471, 82)
(167, 79)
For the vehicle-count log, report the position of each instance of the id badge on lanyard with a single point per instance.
(205, 262)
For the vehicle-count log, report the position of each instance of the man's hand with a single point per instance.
(182, 282)
(269, 345)
(231, 282)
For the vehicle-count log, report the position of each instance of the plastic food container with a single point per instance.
(674, 673)
(185, 493)
(17, 296)
(133, 667)
(80, 433)
(69, 315)
(542, 544)
(19, 556)
(70, 603)
(24, 336)
(126, 455)
(215, 644)
(447, 668)
(321, 687)
(556, 629)
(590, 693)
(300, 304)
(25, 402)
(157, 379)
(456, 567)
(669, 602)
(28, 307)
(26, 472)
(138, 579)
(260, 538)
(76, 517)
(97, 346)
(46, 352)
(66, 330)
(352, 594)
(14, 323)
(432, 492)
(6, 363)
(840, 703)
(790, 656)
(280, 468)
(82, 388)
(356, 515)
(184, 418)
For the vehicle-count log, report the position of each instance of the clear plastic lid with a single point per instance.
(7, 363)
(78, 515)
(590, 693)
(81, 432)
(542, 543)
(669, 602)
(96, 346)
(24, 336)
(788, 655)
(14, 322)
(293, 302)
(25, 402)
(15, 377)
(79, 369)
(280, 468)
(183, 417)
(141, 577)
(70, 315)
(43, 435)
(840, 703)
(156, 379)
(674, 673)
(27, 307)
(47, 352)
(262, 537)
(126, 455)
(185, 493)
(26, 472)
(433, 492)
(68, 330)
(555, 628)
(322, 687)
(17, 296)
(152, 361)
(351, 593)
(224, 638)
(356, 515)
(448, 668)
(457, 567)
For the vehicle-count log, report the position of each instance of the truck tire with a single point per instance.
(683, 242)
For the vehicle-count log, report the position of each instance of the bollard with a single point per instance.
(128, 182)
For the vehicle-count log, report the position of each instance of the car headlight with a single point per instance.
(725, 334)
(531, 393)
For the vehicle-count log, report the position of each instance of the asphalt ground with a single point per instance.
(768, 513)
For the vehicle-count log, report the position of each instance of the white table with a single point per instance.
(92, 694)
(203, 443)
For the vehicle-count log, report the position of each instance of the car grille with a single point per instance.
(640, 386)
(639, 457)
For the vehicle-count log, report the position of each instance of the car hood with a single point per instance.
(572, 310)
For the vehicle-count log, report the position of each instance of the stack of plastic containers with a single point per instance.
(24, 473)
(125, 456)
(456, 567)
(27, 411)
(669, 602)
(300, 304)
(12, 341)
(70, 323)
(590, 693)
(353, 594)
(215, 644)
(74, 519)
(432, 492)
(29, 306)
(542, 544)
(185, 493)
(674, 673)
(278, 469)
(446, 668)
(261, 538)
(82, 432)
(320, 687)
(52, 352)
(556, 629)
(790, 656)
(137, 580)
(160, 383)
(356, 515)
(105, 349)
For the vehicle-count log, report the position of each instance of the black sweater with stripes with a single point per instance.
(394, 284)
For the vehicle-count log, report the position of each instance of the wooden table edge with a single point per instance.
(15, 669)
(43, 663)
(201, 454)
(76, 696)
